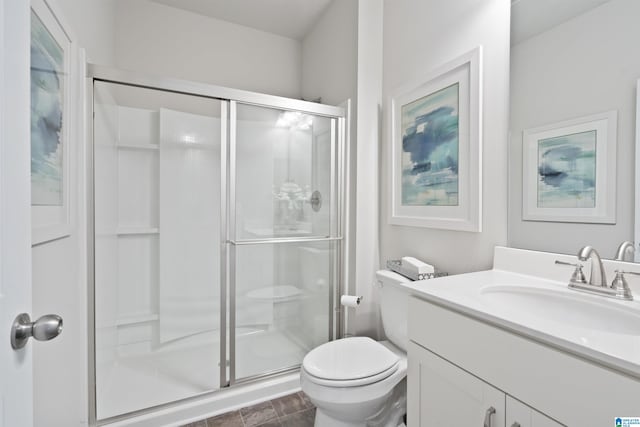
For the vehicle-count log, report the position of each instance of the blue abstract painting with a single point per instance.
(430, 148)
(567, 171)
(47, 81)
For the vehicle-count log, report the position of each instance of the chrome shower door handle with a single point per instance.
(487, 416)
(316, 201)
(45, 328)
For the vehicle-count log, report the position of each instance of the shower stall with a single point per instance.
(217, 250)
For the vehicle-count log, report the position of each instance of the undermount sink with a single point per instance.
(567, 307)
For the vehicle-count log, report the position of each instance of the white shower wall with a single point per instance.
(157, 246)
(189, 209)
(156, 270)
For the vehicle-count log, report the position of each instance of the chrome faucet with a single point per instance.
(597, 277)
(597, 283)
(625, 248)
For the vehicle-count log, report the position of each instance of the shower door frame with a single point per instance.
(228, 98)
(233, 242)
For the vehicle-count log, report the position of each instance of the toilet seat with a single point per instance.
(350, 362)
(355, 382)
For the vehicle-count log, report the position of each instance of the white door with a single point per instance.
(16, 394)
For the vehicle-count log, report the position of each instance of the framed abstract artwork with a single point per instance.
(436, 146)
(569, 170)
(51, 124)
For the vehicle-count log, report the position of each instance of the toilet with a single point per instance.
(357, 381)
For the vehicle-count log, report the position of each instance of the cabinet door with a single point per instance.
(440, 394)
(521, 415)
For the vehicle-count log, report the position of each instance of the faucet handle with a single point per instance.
(628, 272)
(621, 286)
(578, 275)
(569, 263)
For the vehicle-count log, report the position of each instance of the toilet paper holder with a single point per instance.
(350, 300)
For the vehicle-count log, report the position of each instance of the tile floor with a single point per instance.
(294, 410)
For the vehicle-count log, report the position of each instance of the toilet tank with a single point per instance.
(394, 302)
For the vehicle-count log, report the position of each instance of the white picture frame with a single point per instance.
(50, 201)
(430, 186)
(569, 170)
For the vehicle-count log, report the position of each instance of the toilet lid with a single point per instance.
(350, 359)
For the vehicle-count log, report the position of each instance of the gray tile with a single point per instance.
(304, 418)
(201, 423)
(259, 414)
(275, 423)
(230, 419)
(289, 404)
(308, 403)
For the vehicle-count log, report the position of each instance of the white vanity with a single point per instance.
(513, 346)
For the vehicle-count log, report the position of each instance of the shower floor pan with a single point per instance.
(133, 383)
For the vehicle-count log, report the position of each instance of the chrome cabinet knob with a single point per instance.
(45, 328)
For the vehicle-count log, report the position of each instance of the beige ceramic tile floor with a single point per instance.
(294, 410)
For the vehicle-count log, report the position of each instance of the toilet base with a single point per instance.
(390, 414)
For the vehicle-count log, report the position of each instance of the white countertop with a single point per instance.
(613, 342)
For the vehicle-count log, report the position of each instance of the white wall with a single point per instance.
(418, 37)
(584, 66)
(59, 277)
(329, 71)
(59, 366)
(59, 287)
(342, 59)
(159, 40)
(369, 100)
(329, 55)
(93, 22)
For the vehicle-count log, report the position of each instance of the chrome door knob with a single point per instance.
(45, 328)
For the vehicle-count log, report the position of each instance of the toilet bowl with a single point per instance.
(369, 398)
(360, 382)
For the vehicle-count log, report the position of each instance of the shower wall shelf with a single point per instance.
(137, 319)
(188, 145)
(128, 161)
(136, 231)
(133, 320)
(151, 147)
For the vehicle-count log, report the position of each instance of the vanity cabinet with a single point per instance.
(442, 394)
(460, 366)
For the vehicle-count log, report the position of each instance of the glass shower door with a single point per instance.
(157, 166)
(284, 240)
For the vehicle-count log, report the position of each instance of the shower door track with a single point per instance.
(97, 73)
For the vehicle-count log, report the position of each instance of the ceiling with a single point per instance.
(288, 18)
(532, 17)
(295, 18)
